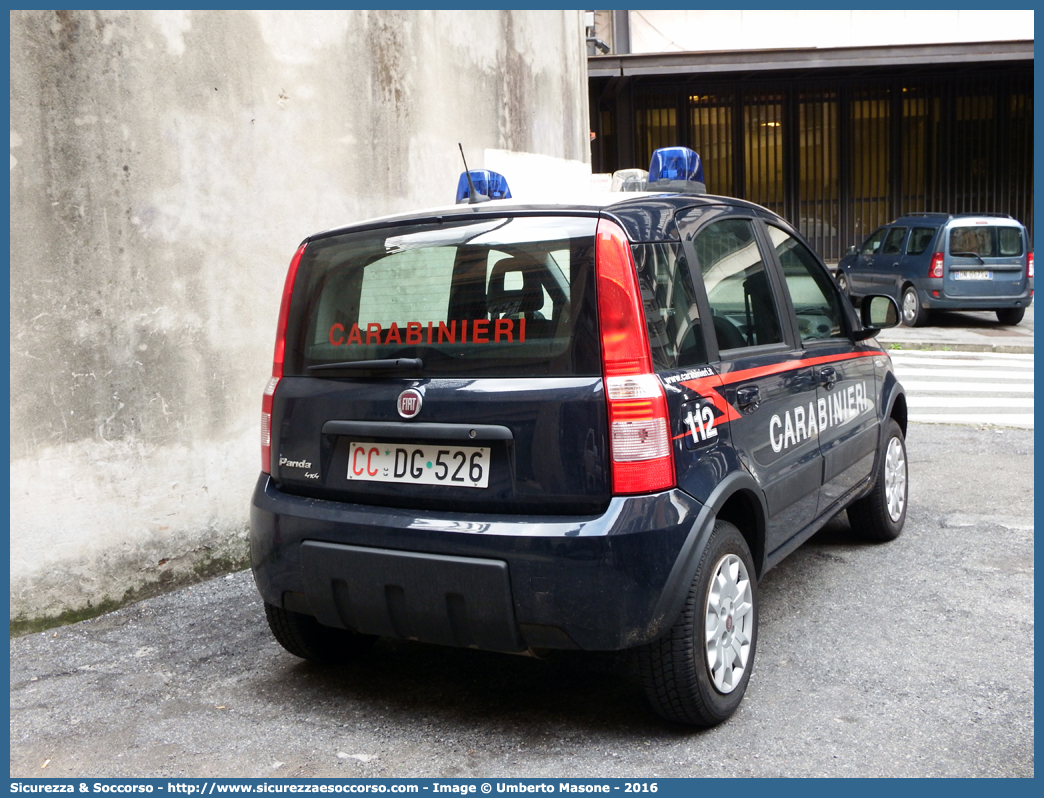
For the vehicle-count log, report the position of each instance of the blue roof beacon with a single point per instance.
(677, 169)
(492, 185)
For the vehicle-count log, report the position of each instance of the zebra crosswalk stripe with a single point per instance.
(967, 388)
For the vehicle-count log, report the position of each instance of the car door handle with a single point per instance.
(828, 377)
(748, 398)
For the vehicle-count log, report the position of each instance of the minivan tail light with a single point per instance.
(639, 429)
(937, 265)
(1029, 266)
(277, 362)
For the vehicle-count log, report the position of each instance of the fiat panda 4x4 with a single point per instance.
(519, 427)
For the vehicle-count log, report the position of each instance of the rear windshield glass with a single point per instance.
(986, 241)
(498, 297)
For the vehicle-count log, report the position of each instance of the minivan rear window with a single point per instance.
(511, 296)
(986, 241)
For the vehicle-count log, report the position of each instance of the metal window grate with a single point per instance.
(839, 157)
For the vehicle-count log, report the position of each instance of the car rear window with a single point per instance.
(510, 296)
(986, 241)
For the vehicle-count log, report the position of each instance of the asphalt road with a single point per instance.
(913, 658)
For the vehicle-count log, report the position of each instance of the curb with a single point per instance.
(943, 346)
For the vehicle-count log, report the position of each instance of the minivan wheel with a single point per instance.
(1011, 315)
(304, 637)
(698, 672)
(913, 314)
(881, 514)
(842, 283)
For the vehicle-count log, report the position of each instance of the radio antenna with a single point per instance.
(473, 196)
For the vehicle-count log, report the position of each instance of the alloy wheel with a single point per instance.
(895, 479)
(909, 307)
(729, 623)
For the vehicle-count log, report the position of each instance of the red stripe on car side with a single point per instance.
(708, 387)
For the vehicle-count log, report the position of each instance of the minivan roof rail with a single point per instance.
(940, 215)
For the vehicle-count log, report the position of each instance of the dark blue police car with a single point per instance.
(518, 426)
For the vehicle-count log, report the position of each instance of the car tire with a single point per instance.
(880, 515)
(1011, 316)
(842, 283)
(304, 637)
(913, 314)
(695, 676)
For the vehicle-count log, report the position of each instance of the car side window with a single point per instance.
(812, 293)
(894, 242)
(872, 244)
(741, 300)
(671, 315)
(920, 238)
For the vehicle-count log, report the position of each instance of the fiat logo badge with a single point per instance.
(409, 403)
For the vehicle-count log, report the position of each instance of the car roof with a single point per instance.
(940, 219)
(646, 215)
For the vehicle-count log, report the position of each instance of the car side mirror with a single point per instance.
(877, 312)
(852, 250)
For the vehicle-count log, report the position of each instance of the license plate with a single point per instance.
(460, 466)
(972, 275)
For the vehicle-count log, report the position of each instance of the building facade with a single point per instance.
(865, 116)
(164, 167)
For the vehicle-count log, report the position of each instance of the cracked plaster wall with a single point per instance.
(164, 167)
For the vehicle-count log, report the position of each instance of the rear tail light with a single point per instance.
(266, 425)
(277, 363)
(639, 428)
(937, 265)
(1029, 265)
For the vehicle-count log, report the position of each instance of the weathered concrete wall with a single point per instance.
(164, 167)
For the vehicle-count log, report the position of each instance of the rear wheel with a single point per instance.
(698, 672)
(304, 637)
(1011, 315)
(913, 314)
(881, 514)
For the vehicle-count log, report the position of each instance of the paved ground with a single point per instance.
(967, 332)
(913, 658)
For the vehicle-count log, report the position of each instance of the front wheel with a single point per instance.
(913, 314)
(698, 672)
(881, 514)
(1011, 316)
(304, 637)
(842, 283)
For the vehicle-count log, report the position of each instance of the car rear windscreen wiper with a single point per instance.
(395, 364)
(968, 255)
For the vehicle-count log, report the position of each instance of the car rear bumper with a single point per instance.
(499, 582)
(945, 302)
(976, 303)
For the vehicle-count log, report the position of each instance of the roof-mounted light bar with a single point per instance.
(630, 180)
(488, 184)
(676, 169)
